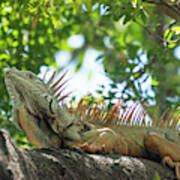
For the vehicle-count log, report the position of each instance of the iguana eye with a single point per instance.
(53, 105)
(49, 100)
(30, 75)
(47, 97)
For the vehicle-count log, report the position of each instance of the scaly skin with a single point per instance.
(47, 124)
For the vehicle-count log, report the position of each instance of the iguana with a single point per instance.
(48, 124)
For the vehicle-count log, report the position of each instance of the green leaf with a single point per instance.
(154, 82)
(126, 20)
(4, 56)
(176, 29)
(99, 57)
(143, 16)
(88, 4)
(132, 50)
(156, 176)
(41, 40)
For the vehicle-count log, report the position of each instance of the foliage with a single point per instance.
(31, 32)
(156, 176)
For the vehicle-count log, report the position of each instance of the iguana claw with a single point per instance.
(167, 160)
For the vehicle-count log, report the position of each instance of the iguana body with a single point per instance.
(47, 124)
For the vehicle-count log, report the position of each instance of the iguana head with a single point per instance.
(37, 99)
(26, 89)
(29, 92)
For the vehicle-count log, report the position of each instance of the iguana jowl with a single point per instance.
(47, 124)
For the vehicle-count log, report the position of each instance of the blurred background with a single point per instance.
(115, 49)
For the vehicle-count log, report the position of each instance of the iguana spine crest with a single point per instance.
(119, 114)
(39, 109)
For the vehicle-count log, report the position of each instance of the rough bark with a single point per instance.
(18, 163)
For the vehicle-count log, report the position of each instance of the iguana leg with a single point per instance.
(104, 140)
(168, 151)
(167, 160)
(177, 169)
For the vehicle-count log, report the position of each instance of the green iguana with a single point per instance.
(47, 124)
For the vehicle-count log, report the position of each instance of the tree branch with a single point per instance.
(169, 7)
(19, 163)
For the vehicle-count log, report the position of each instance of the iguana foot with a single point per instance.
(103, 143)
(177, 169)
(105, 140)
(176, 165)
(168, 151)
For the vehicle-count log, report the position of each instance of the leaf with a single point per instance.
(113, 85)
(177, 29)
(77, 6)
(41, 40)
(156, 176)
(99, 91)
(143, 16)
(88, 4)
(134, 3)
(154, 82)
(172, 45)
(126, 20)
(4, 56)
(100, 57)
(132, 50)
(81, 57)
(78, 67)
(168, 34)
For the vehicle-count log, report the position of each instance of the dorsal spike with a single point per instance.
(51, 77)
(60, 86)
(95, 112)
(106, 117)
(154, 117)
(137, 115)
(130, 113)
(79, 105)
(59, 80)
(60, 92)
(113, 112)
(176, 120)
(169, 118)
(144, 114)
(89, 111)
(119, 108)
(143, 120)
(64, 96)
(123, 114)
(45, 74)
(161, 120)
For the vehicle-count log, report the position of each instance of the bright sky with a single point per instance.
(89, 76)
(92, 72)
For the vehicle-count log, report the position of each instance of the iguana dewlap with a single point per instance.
(47, 124)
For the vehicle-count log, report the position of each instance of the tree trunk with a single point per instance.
(18, 163)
